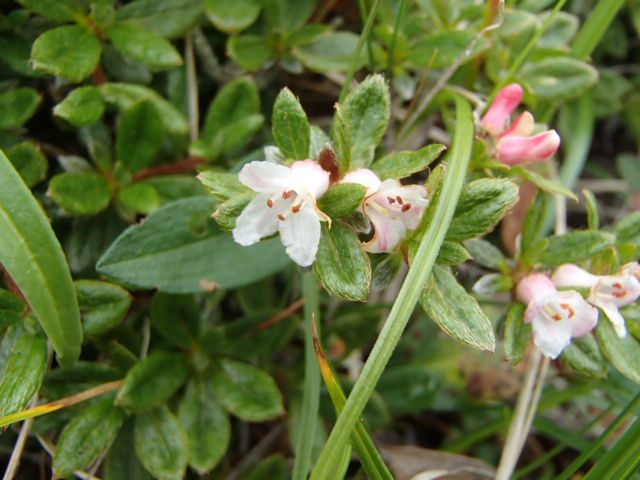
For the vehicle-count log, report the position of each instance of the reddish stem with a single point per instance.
(183, 166)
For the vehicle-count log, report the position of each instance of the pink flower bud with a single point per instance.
(533, 285)
(507, 100)
(513, 149)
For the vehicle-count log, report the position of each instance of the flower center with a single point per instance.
(564, 311)
(296, 206)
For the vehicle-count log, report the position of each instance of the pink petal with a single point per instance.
(522, 126)
(310, 176)
(570, 275)
(365, 177)
(266, 177)
(389, 229)
(513, 149)
(534, 286)
(507, 100)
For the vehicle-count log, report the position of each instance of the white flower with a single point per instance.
(556, 316)
(608, 292)
(391, 207)
(286, 202)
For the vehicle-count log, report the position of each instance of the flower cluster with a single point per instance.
(286, 203)
(515, 144)
(557, 316)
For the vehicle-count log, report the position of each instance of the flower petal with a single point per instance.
(522, 126)
(309, 176)
(570, 275)
(265, 177)
(365, 177)
(300, 233)
(256, 221)
(534, 287)
(389, 229)
(551, 337)
(514, 149)
(613, 314)
(507, 100)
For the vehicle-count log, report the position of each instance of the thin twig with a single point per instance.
(184, 166)
(16, 454)
(290, 310)
(257, 452)
(192, 87)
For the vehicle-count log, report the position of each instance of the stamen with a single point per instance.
(281, 217)
(406, 207)
(287, 194)
(619, 294)
(391, 200)
(270, 203)
(557, 317)
(566, 306)
(617, 285)
(399, 199)
(296, 208)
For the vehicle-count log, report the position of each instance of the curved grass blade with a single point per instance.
(34, 259)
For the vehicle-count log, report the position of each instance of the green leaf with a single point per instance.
(31, 254)
(223, 185)
(81, 193)
(290, 126)
(57, 51)
(167, 18)
(408, 389)
(66, 381)
(148, 48)
(584, 356)
(153, 381)
(17, 106)
(367, 110)
(440, 50)
(624, 353)
(12, 309)
(449, 305)
(343, 139)
(487, 254)
(573, 247)
(593, 218)
(517, 334)
(60, 10)
(288, 16)
(250, 51)
(482, 205)
(559, 78)
(272, 468)
(452, 253)
(246, 391)
(206, 423)
(341, 264)
(139, 197)
(231, 17)
(182, 233)
(140, 136)
(120, 462)
(543, 183)
(534, 227)
(628, 229)
(29, 161)
(124, 95)
(176, 318)
(25, 364)
(332, 52)
(85, 437)
(342, 199)
(161, 444)
(403, 164)
(83, 106)
(493, 283)
(103, 305)
(228, 212)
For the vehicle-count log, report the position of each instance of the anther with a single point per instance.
(620, 294)
(566, 306)
(399, 200)
(296, 208)
(281, 217)
(557, 317)
(617, 285)
(287, 194)
(269, 203)
(391, 200)
(406, 207)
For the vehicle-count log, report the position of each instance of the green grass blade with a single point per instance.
(311, 393)
(33, 257)
(593, 29)
(622, 459)
(410, 291)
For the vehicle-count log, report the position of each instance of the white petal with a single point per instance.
(265, 177)
(620, 290)
(256, 221)
(310, 177)
(550, 336)
(570, 275)
(613, 314)
(300, 233)
(389, 230)
(396, 197)
(365, 177)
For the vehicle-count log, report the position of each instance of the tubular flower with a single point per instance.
(286, 202)
(516, 144)
(556, 316)
(608, 292)
(391, 207)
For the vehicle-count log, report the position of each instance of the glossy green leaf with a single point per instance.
(623, 353)
(140, 136)
(482, 205)
(341, 264)
(29, 161)
(559, 78)
(452, 253)
(343, 139)
(290, 126)
(148, 48)
(206, 423)
(56, 51)
(246, 391)
(176, 317)
(11, 308)
(83, 106)
(440, 50)
(31, 254)
(182, 233)
(17, 106)
(81, 193)
(342, 199)
(60, 10)
(232, 17)
(227, 213)
(25, 363)
(332, 52)
(449, 305)
(403, 164)
(161, 444)
(82, 375)
(153, 381)
(120, 461)
(250, 51)
(103, 305)
(85, 437)
(517, 334)
(487, 254)
(584, 356)
(574, 247)
(139, 197)
(168, 18)
(367, 110)
(124, 95)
